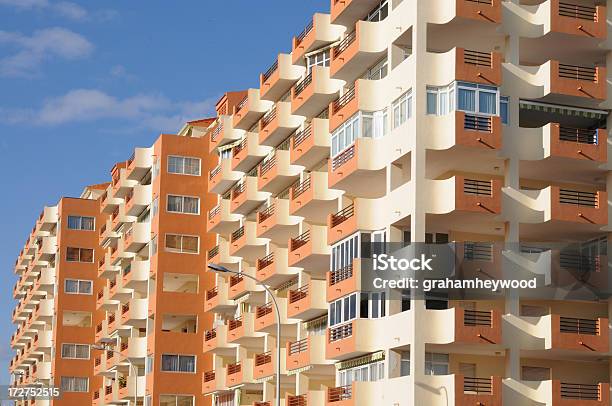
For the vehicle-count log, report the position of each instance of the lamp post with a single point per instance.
(222, 269)
(105, 346)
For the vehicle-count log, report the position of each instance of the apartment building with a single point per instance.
(152, 244)
(56, 302)
(481, 123)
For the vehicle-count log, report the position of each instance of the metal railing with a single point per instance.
(265, 261)
(235, 280)
(215, 133)
(579, 326)
(234, 368)
(298, 294)
(210, 334)
(263, 310)
(237, 234)
(214, 211)
(299, 241)
(297, 347)
(344, 44)
(301, 136)
(579, 135)
(211, 293)
(238, 190)
(300, 188)
(579, 11)
(241, 105)
(477, 318)
(477, 58)
(489, 2)
(477, 385)
(214, 172)
(284, 145)
(268, 117)
(343, 157)
(478, 187)
(213, 252)
(343, 215)
(578, 198)
(343, 100)
(234, 323)
(340, 393)
(301, 85)
(263, 359)
(209, 376)
(582, 391)
(569, 259)
(578, 72)
(478, 123)
(300, 37)
(267, 165)
(341, 274)
(299, 400)
(265, 214)
(478, 251)
(270, 71)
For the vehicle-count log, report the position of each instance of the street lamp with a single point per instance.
(105, 346)
(222, 269)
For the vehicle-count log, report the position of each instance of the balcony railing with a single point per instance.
(296, 400)
(478, 187)
(265, 214)
(340, 275)
(578, 72)
(477, 58)
(238, 190)
(478, 251)
(299, 241)
(343, 215)
(263, 359)
(268, 117)
(234, 323)
(340, 332)
(576, 261)
(270, 71)
(267, 165)
(343, 100)
(237, 234)
(210, 334)
(242, 103)
(579, 11)
(303, 84)
(211, 293)
(234, 368)
(579, 326)
(478, 123)
(298, 294)
(579, 135)
(343, 157)
(580, 391)
(477, 318)
(209, 376)
(340, 393)
(265, 261)
(215, 171)
(263, 310)
(344, 44)
(578, 198)
(298, 347)
(304, 33)
(235, 280)
(215, 133)
(301, 136)
(477, 385)
(213, 252)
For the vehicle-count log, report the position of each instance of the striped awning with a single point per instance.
(228, 146)
(356, 362)
(295, 371)
(314, 323)
(565, 110)
(264, 379)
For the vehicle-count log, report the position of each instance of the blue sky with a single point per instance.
(83, 83)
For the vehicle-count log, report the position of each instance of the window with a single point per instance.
(379, 13)
(185, 244)
(402, 109)
(183, 204)
(363, 124)
(318, 59)
(153, 246)
(344, 252)
(74, 384)
(503, 109)
(436, 364)
(155, 207)
(343, 310)
(78, 286)
(81, 223)
(178, 363)
(184, 165)
(79, 255)
(177, 400)
(378, 71)
(371, 305)
(225, 153)
(405, 363)
(149, 364)
(75, 351)
(470, 97)
(371, 372)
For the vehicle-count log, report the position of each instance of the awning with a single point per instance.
(356, 362)
(314, 323)
(565, 110)
(295, 371)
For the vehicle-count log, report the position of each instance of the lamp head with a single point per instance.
(218, 268)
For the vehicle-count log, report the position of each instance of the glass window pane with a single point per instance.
(175, 203)
(71, 286)
(74, 223)
(432, 103)
(173, 242)
(487, 102)
(87, 223)
(190, 244)
(467, 100)
(86, 255)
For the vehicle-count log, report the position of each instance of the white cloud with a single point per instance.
(70, 10)
(66, 9)
(40, 46)
(148, 111)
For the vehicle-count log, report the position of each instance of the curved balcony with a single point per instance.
(308, 352)
(223, 133)
(310, 145)
(248, 153)
(245, 243)
(464, 130)
(343, 281)
(140, 163)
(276, 173)
(215, 341)
(220, 219)
(276, 223)
(465, 65)
(135, 313)
(464, 194)
(446, 11)
(219, 254)
(307, 301)
(310, 251)
(314, 92)
(242, 331)
(137, 237)
(273, 268)
(279, 78)
(277, 124)
(250, 110)
(138, 275)
(222, 177)
(246, 196)
(214, 381)
(317, 33)
(346, 12)
(217, 299)
(312, 199)
(138, 199)
(265, 316)
(239, 285)
(350, 339)
(361, 47)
